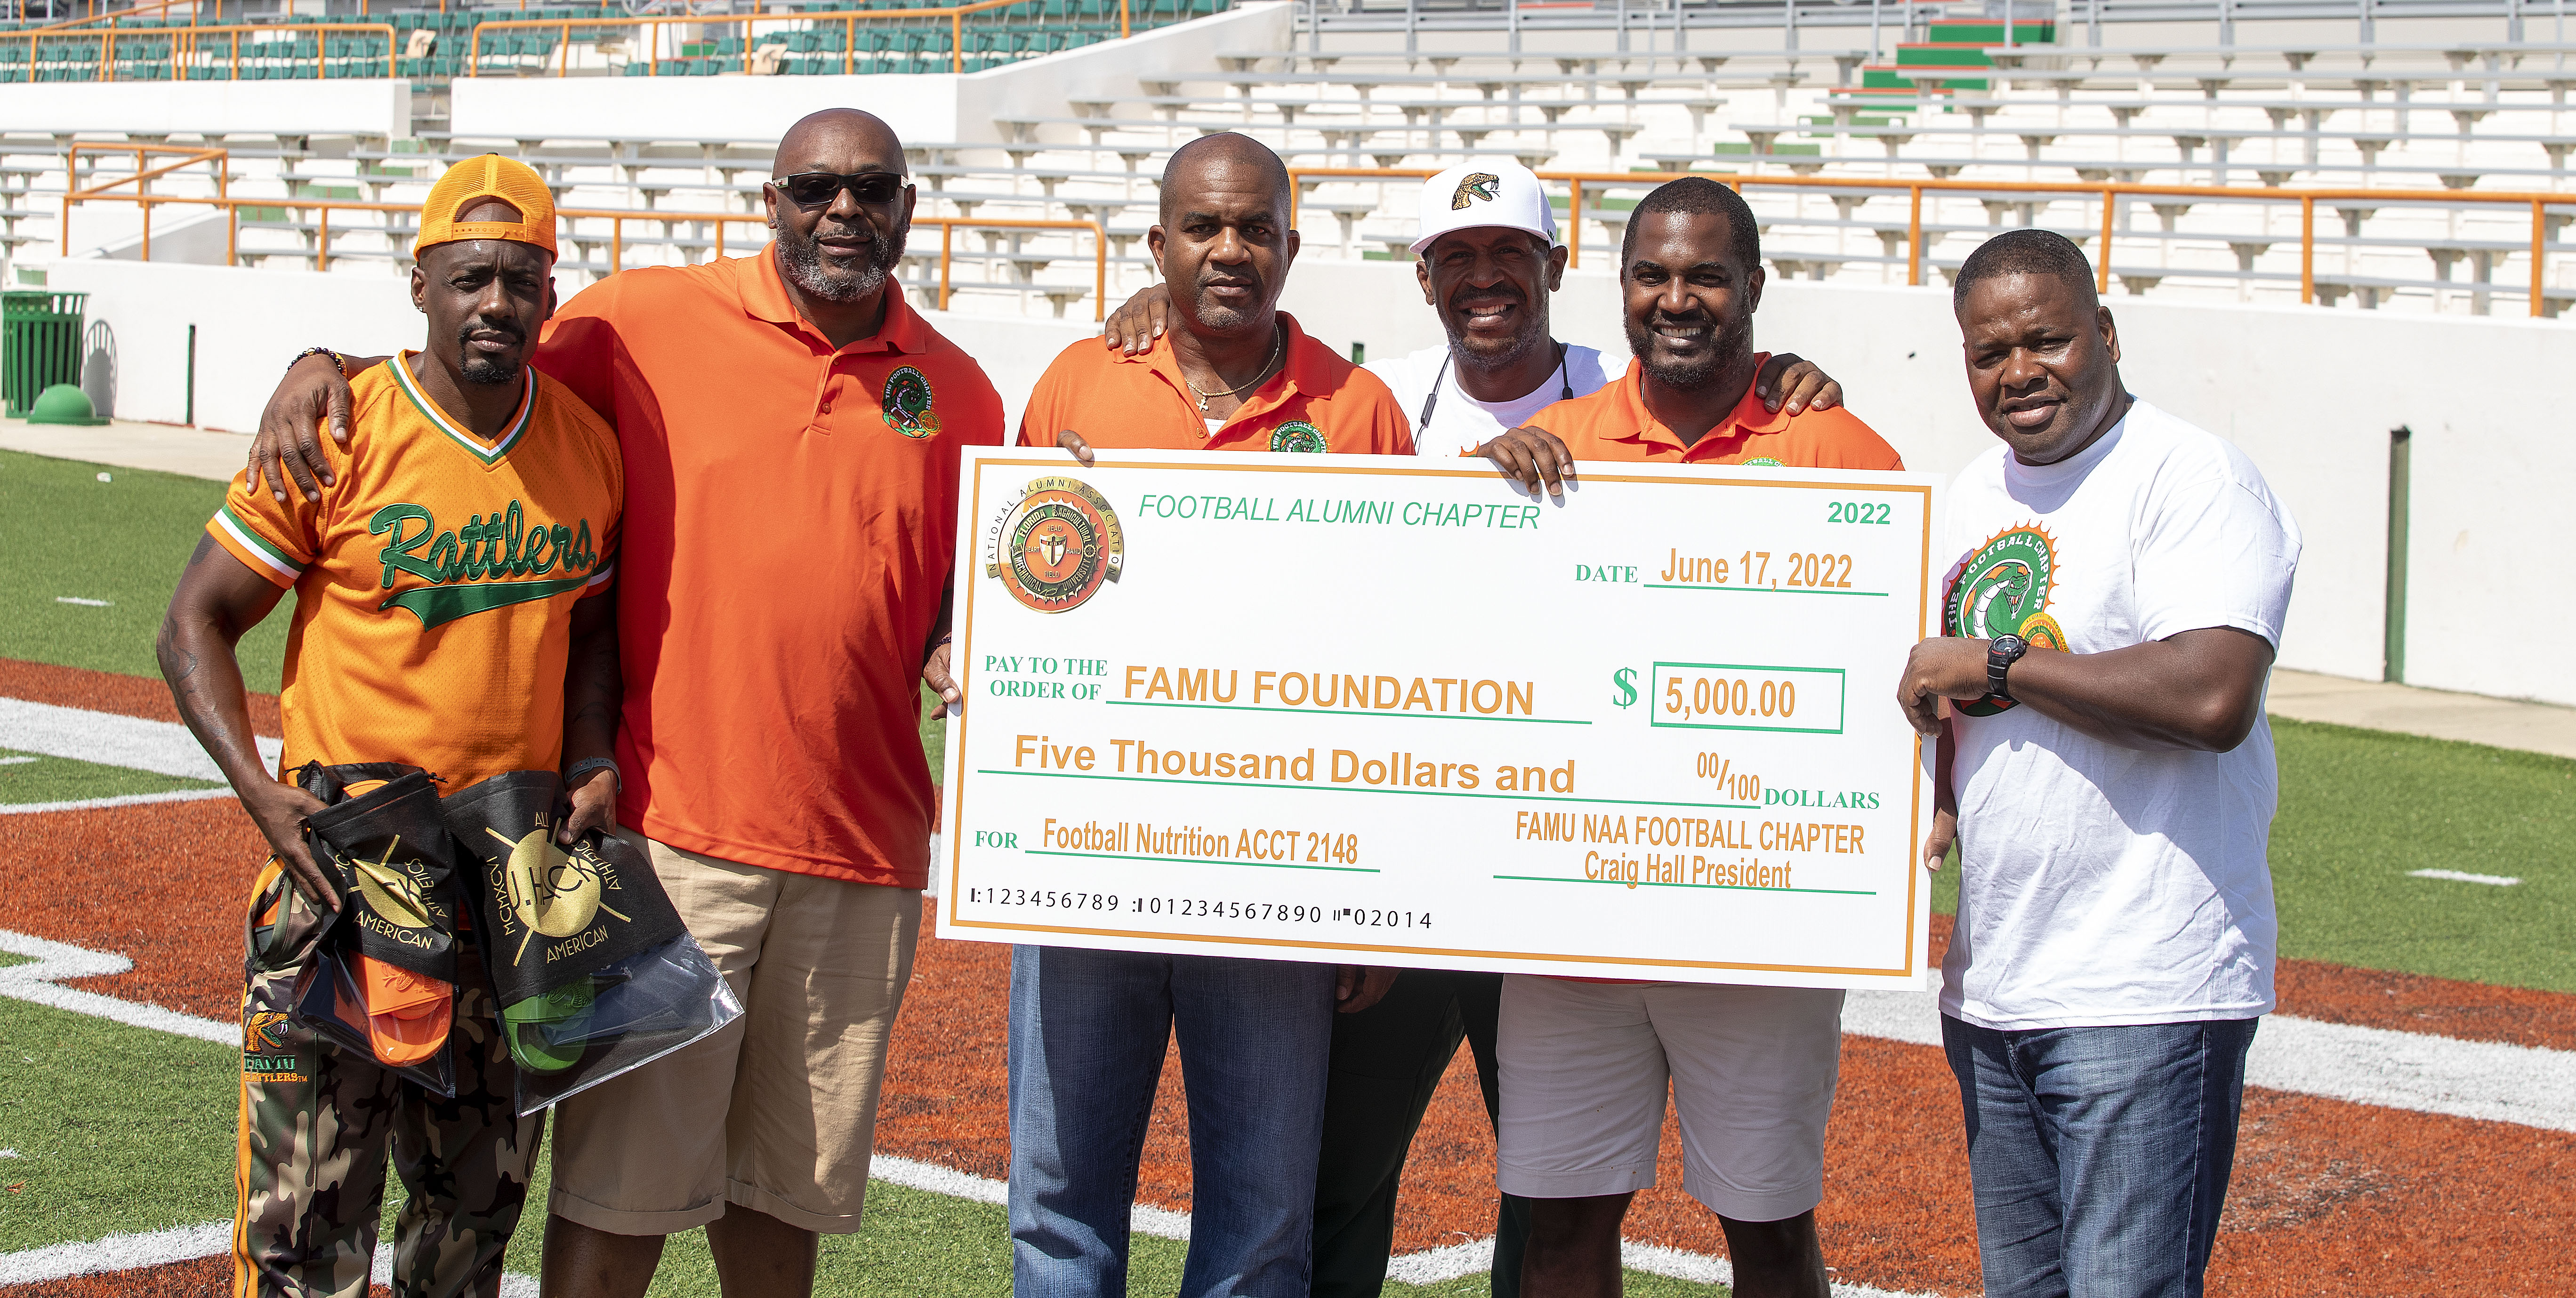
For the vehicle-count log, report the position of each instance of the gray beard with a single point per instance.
(805, 268)
(1512, 353)
(1225, 319)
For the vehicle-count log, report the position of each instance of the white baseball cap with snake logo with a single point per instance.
(1488, 192)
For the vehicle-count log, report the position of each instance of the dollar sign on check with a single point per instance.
(1625, 681)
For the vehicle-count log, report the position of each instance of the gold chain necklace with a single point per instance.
(1281, 342)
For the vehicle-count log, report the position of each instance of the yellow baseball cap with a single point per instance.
(479, 180)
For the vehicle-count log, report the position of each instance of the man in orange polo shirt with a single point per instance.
(1239, 375)
(1088, 1028)
(790, 431)
(1585, 1064)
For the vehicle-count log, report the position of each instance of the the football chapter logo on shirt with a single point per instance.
(1483, 185)
(1055, 544)
(906, 403)
(2003, 589)
(1299, 436)
(1763, 462)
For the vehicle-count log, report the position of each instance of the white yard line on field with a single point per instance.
(49, 961)
(111, 739)
(117, 1253)
(2463, 876)
(121, 800)
(2487, 1080)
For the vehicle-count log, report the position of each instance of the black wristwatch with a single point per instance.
(2001, 653)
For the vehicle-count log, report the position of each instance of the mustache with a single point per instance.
(1230, 278)
(1694, 320)
(1498, 293)
(485, 329)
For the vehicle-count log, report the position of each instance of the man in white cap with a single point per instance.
(1487, 260)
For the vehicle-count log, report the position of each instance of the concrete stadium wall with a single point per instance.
(377, 107)
(941, 108)
(2310, 395)
(251, 322)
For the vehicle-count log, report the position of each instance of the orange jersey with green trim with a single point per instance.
(435, 580)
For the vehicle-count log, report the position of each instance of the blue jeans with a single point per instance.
(2099, 1155)
(1087, 1036)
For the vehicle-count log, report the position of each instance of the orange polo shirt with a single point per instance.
(1614, 424)
(1316, 402)
(791, 516)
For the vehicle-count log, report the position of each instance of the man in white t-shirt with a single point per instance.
(1487, 262)
(2107, 774)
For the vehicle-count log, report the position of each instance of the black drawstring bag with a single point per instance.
(382, 980)
(594, 970)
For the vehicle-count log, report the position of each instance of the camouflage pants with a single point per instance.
(317, 1122)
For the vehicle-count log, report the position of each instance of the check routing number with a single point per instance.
(1385, 711)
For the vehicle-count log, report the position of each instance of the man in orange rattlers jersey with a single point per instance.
(442, 620)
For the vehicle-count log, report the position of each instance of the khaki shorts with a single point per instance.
(1752, 1073)
(778, 1111)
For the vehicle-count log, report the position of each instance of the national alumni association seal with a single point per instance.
(1055, 544)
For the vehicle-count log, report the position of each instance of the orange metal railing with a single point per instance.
(187, 46)
(2107, 192)
(149, 7)
(140, 177)
(617, 218)
(653, 27)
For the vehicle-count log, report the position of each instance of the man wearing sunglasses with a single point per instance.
(790, 429)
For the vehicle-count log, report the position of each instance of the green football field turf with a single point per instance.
(93, 1162)
(2360, 809)
(27, 777)
(66, 535)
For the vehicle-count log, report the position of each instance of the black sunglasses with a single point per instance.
(820, 188)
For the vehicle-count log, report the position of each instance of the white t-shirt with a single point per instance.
(1461, 423)
(2104, 885)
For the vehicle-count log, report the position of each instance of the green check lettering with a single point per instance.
(481, 553)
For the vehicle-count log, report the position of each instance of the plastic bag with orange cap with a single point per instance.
(593, 969)
(382, 980)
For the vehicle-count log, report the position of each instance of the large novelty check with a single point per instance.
(1391, 711)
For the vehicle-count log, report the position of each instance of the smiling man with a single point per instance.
(1586, 1064)
(1089, 1028)
(450, 614)
(790, 429)
(2107, 773)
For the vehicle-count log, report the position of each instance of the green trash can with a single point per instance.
(40, 342)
